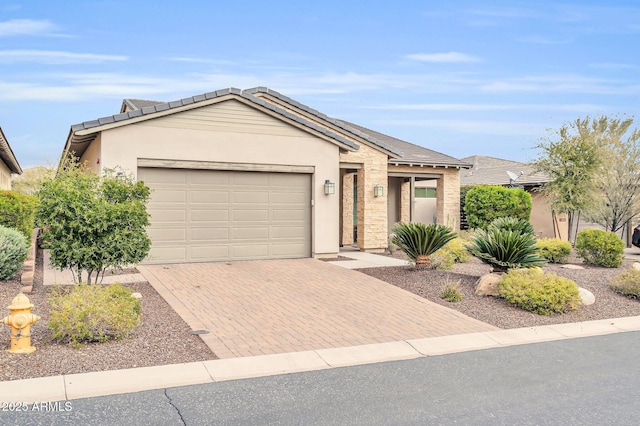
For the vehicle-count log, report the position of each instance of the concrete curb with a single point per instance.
(75, 386)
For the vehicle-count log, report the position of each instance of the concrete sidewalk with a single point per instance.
(75, 386)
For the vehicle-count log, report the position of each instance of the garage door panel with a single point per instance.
(250, 251)
(212, 215)
(253, 216)
(167, 254)
(169, 196)
(168, 215)
(210, 234)
(167, 234)
(291, 215)
(289, 232)
(253, 233)
(205, 177)
(207, 215)
(209, 197)
(251, 197)
(209, 253)
(288, 250)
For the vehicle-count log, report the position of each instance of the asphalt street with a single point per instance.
(587, 381)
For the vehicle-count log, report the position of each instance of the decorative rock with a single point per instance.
(587, 297)
(636, 265)
(136, 295)
(570, 266)
(487, 285)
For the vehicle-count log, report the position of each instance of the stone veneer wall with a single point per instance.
(346, 218)
(372, 211)
(405, 201)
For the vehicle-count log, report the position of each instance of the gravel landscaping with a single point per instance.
(163, 338)
(495, 311)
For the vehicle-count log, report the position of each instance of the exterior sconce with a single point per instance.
(378, 190)
(329, 187)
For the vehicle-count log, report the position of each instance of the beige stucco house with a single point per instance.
(493, 171)
(8, 163)
(252, 174)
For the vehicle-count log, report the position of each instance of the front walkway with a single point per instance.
(277, 306)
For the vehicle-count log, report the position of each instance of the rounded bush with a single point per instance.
(17, 211)
(93, 313)
(456, 249)
(484, 203)
(627, 283)
(601, 248)
(535, 291)
(554, 250)
(13, 251)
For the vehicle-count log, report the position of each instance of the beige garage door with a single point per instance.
(211, 215)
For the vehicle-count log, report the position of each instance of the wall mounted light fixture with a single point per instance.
(329, 187)
(378, 190)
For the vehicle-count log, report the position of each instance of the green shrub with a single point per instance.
(554, 250)
(93, 313)
(419, 241)
(504, 249)
(601, 248)
(627, 283)
(455, 251)
(511, 223)
(537, 292)
(484, 203)
(451, 292)
(17, 211)
(13, 251)
(441, 260)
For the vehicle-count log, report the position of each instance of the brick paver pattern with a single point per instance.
(277, 306)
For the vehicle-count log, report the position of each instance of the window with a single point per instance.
(425, 192)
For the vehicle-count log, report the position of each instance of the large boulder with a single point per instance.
(587, 297)
(487, 285)
(636, 265)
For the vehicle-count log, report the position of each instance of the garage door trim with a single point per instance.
(214, 165)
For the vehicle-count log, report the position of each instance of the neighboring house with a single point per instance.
(254, 174)
(8, 163)
(493, 171)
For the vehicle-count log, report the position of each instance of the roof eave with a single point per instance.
(8, 156)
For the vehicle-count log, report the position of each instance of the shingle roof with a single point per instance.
(321, 116)
(402, 152)
(493, 171)
(411, 153)
(7, 155)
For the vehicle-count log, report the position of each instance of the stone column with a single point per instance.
(346, 209)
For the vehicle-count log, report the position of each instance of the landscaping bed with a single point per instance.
(162, 338)
(496, 311)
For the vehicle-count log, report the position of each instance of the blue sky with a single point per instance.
(462, 78)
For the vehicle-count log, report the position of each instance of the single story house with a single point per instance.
(8, 163)
(253, 174)
(497, 171)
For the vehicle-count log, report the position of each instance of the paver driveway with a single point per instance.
(276, 306)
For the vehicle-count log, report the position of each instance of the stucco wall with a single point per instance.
(123, 147)
(5, 176)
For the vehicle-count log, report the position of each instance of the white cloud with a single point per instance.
(17, 27)
(449, 57)
(55, 57)
(562, 84)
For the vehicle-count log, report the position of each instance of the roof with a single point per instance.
(82, 134)
(401, 152)
(410, 153)
(7, 155)
(493, 171)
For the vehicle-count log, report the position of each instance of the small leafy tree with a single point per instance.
(484, 203)
(419, 241)
(571, 159)
(92, 223)
(29, 181)
(17, 211)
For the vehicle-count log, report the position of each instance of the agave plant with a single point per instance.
(504, 249)
(513, 224)
(418, 241)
